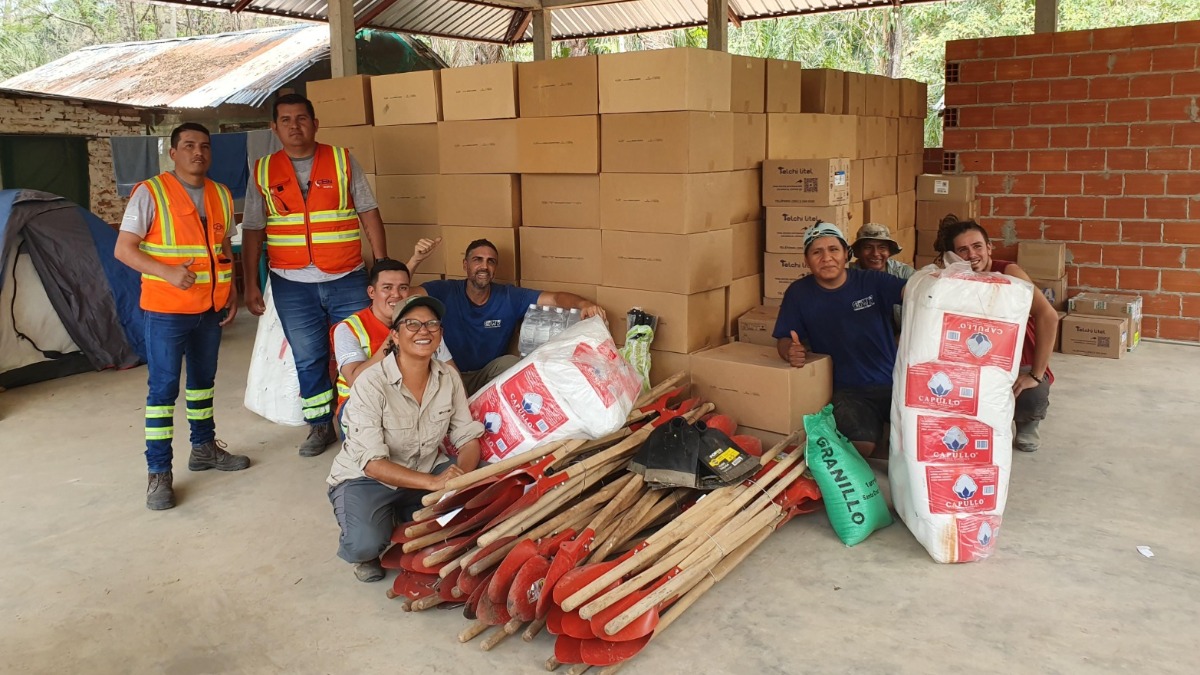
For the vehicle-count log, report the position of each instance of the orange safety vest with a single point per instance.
(176, 234)
(371, 332)
(322, 230)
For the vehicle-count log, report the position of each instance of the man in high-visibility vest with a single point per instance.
(176, 232)
(306, 203)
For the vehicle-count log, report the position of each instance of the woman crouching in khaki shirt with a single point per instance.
(399, 411)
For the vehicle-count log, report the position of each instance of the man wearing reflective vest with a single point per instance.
(176, 232)
(306, 203)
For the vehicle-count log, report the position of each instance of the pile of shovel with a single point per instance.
(601, 543)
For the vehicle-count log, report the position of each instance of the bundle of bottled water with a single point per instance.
(543, 322)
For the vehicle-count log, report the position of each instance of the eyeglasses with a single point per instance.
(414, 326)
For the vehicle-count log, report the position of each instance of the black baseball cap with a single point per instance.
(414, 301)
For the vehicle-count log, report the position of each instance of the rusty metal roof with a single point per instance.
(506, 21)
(195, 72)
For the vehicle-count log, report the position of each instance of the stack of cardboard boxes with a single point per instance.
(937, 197)
(1106, 325)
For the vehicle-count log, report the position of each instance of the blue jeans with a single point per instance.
(172, 339)
(307, 312)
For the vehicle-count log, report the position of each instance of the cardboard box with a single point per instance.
(757, 388)
(921, 261)
(884, 210)
(406, 149)
(879, 177)
(926, 241)
(930, 214)
(780, 270)
(665, 364)
(585, 291)
(892, 141)
(1043, 260)
(817, 182)
(1102, 336)
(906, 214)
(741, 295)
(563, 200)
(664, 80)
(823, 91)
(408, 199)
(479, 200)
(749, 141)
(554, 254)
(666, 142)
(341, 101)
(1111, 304)
(785, 86)
(421, 278)
(747, 248)
(371, 183)
(854, 94)
(1058, 336)
(787, 225)
(891, 98)
(686, 323)
(769, 439)
(670, 263)
(558, 87)
(1055, 290)
(914, 99)
(756, 326)
(875, 92)
(407, 98)
(487, 92)
(675, 203)
(938, 187)
(559, 144)
(454, 247)
(402, 238)
(745, 195)
(856, 180)
(358, 140)
(911, 137)
(871, 137)
(748, 84)
(811, 136)
(907, 238)
(908, 167)
(771, 302)
(488, 146)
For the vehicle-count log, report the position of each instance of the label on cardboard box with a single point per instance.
(962, 489)
(821, 182)
(982, 342)
(943, 387)
(1103, 336)
(953, 440)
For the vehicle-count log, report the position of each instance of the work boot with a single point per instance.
(369, 571)
(212, 455)
(1027, 439)
(159, 493)
(320, 436)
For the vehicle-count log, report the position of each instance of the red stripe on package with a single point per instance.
(530, 401)
(982, 342)
(943, 387)
(976, 536)
(953, 440)
(500, 434)
(961, 488)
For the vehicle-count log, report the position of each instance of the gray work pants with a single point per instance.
(367, 511)
(478, 379)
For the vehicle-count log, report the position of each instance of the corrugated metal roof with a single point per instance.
(195, 72)
(490, 20)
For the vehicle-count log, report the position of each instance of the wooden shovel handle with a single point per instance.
(575, 485)
(659, 389)
(473, 631)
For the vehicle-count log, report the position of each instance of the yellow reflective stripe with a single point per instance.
(160, 433)
(286, 240)
(265, 186)
(335, 237)
(330, 216)
(167, 251)
(163, 207)
(200, 413)
(314, 413)
(160, 411)
(226, 199)
(201, 278)
(360, 331)
(224, 275)
(323, 397)
(198, 394)
(294, 219)
(342, 163)
(342, 389)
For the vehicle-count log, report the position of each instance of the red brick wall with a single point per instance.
(1090, 138)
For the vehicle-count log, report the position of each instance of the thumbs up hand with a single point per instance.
(180, 276)
(796, 353)
(424, 248)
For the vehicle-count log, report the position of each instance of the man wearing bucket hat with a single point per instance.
(847, 314)
(400, 410)
(873, 250)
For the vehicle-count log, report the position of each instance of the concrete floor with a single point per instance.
(241, 577)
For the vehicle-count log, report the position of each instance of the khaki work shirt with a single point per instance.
(384, 421)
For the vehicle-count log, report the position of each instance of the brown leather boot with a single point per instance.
(160, 494)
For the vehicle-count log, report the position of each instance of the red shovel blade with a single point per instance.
(527, 589)
(568, 557)
(412, 562)
(399, 536)
(507, 570)
(640, 627)
(448, 589)
(491, 613)
(602, 653)
(471, 609)
(554, 619)
(567, 649)
(413, 586)
(495, 489)
(391, 558)
(574, 580)
(576, 626)
(547, 546)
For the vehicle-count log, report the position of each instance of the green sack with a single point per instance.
(855, 505)
(637, 352)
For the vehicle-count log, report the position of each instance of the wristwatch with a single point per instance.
(1039, 380)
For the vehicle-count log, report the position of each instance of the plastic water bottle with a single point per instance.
(527, 342)
(574, 317)
(542, 336)
(559, 322)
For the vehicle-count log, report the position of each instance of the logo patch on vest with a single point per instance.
(323, 182)
(491, 323)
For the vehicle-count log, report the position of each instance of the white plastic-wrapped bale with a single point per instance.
(952, 407)
(272, 389)
(574, 386)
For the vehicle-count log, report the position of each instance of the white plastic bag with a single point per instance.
(272, 388)
(574, 386)
(952, 407)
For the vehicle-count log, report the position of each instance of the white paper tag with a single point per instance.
(1145, 550)
(446, 518)
(446, 496)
